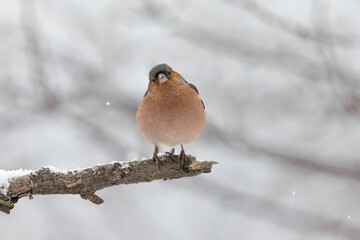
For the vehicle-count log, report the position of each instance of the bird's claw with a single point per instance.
(157, 160)
(183, 161)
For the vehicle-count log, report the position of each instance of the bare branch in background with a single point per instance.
(343, 87)
(264, 209)
(99, 135)
(308, 163)
(287, 58)
(35, 54)
(297, 30)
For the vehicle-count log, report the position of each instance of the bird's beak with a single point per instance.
(162, 78)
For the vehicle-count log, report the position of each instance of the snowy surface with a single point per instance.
(124, 164)
(6, 176)
(55, 170)
(280, 82)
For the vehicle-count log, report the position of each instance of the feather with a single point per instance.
(193, 87)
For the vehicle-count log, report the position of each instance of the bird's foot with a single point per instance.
(183, 161)
(171, 152)
(157, 159)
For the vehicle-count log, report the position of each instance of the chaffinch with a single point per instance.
(171, 111)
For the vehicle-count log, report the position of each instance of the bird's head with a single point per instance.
(162, 76)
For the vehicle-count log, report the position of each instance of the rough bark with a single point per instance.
(87, 181)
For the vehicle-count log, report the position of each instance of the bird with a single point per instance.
(171, 113)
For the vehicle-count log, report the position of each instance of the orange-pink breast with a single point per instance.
(171, 117)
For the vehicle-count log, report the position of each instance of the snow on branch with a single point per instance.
(85, 182)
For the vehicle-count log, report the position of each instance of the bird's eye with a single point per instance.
(169, 72)
(154, 80)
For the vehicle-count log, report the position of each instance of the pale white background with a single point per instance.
(280, 81)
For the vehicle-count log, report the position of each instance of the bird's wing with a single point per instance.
(193, 87)
(203, 103)
(183, 81)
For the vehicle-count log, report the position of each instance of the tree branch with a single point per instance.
(86, 182)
